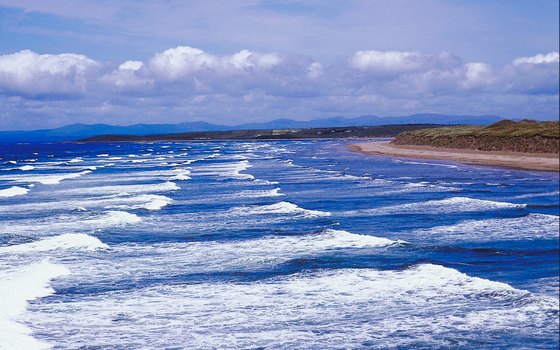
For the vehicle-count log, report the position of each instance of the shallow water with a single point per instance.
(284, 245)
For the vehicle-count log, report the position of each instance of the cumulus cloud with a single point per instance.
(129, 76)
(28, 73)
(185, 82)
(246, 59)
(552, 57)
(183, 61)
(178, 62)
(131, 65)
(478, 75)
(399, 62)
(390, 61)
(538, 74)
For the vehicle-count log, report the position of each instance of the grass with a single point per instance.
(504, 128)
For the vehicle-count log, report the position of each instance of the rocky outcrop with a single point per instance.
(524, 136)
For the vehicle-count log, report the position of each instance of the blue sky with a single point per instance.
(229, 62)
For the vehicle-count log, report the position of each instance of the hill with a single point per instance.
(80, 131)
(523, 136)
(271, 134)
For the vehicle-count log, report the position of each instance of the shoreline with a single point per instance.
(515, 160)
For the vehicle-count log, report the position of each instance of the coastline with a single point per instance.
(515, 160)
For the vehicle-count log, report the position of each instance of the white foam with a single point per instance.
(149, 202)
(416, 187)
(529, 227)
(130, 189)
(72, 223)
(425, 186)
(103, 155)
(157, 203)
(168, 259)
(278, 208)
(76, 160)
(275, 192)
(239, 167)
(50, 179)
(264, 182)
(117, 201)
(273, 250)
(424, 163)
(26, 167)
(426, 306)
(449, 205)
(114, 218)
(17, 287)
(13, 191)
(180, 175)
(337, 239)
(230, 169)
(65, 241)
(542, 194)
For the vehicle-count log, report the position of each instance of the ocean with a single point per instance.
(272, 245)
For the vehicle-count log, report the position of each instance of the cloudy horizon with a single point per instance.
(77, 62)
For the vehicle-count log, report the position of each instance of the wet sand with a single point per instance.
(527, 161)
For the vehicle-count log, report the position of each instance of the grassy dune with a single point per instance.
(524, 136)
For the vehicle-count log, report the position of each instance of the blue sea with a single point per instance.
(272, 245)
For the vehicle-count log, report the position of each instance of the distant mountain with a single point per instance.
(80, 131)
(371, 120)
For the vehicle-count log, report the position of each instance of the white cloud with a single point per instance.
(131, 65)
(478, 75)
(389, 62)
(551, 57)
(315, 70)
(178, 62)
(29, 73)
(182, 61)
(246, 59)
(129, 76)
(538, 74)
(186, 81)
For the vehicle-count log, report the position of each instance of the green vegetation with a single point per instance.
(275, 134)
(505, 135)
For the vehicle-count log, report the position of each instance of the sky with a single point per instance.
(231, 62)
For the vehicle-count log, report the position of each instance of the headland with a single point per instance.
(526, 145)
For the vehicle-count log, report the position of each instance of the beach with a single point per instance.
(526, 161)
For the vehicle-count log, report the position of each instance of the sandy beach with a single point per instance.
(527, 161)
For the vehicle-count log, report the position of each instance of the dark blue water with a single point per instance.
(281, 245)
